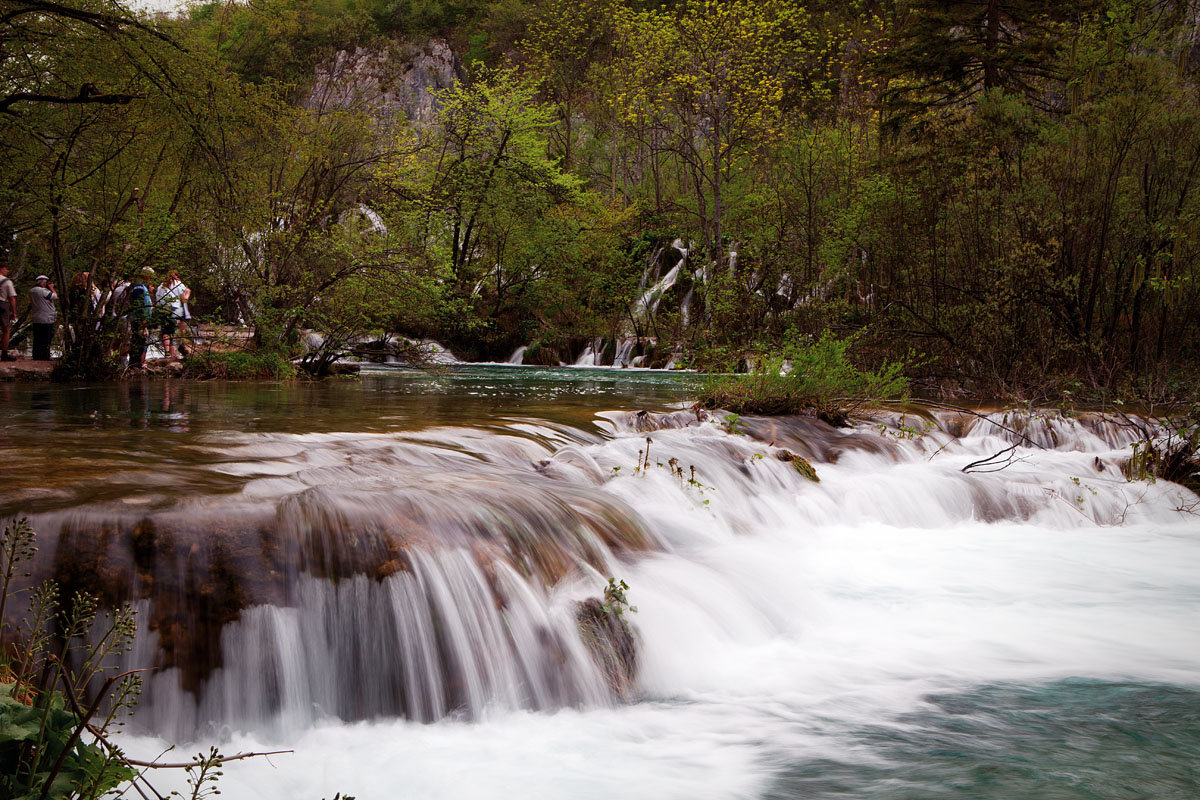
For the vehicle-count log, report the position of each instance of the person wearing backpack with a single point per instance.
(141, 308)
(8, 311)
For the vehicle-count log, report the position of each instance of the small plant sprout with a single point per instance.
(615, 601)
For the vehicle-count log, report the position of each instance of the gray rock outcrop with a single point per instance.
(391, 83)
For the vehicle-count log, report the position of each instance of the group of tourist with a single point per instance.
(132, 301)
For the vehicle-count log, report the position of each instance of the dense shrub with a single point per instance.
(815, 378)
(238, 366)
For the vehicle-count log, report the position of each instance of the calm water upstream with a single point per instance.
(384, 576)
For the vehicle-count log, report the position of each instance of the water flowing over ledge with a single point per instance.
(437, 572)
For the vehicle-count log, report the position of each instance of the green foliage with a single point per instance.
(39, 745)
(805, 469)
(238, 366)
(615, 601)
(421, 16)
(1168, 448)
(821, 380)
(1036, 221)
(203, 775)
(951, 52)
(711, 82)
(517, 249)
(50, 749)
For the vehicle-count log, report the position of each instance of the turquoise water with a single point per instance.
(1067, 740)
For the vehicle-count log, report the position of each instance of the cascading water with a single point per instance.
(901, 628)
(592, 354)
(624, 355)
(437, 352)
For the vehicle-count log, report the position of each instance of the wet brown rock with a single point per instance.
(611, 644)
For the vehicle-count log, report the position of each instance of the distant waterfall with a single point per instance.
(592, 354)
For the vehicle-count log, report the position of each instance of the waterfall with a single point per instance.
(437, 352)
(650, 273)
(646, 305)
(624, 351)
(375, 223)
(592, 355)
(436, 574)
(313, 341)
(685, 307)
(446, 638)
(653, 286)
(518, 355)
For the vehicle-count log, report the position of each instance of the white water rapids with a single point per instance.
(789, 632)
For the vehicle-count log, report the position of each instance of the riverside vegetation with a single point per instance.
(56, 743)
(1005, 187)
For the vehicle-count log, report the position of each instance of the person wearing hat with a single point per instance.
(8, 311)
(43, 315)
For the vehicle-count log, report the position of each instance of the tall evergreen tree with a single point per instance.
(946, 53)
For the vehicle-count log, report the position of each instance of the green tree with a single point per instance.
(90, 180)
(945, 53)
(563, 41)
(712, 82)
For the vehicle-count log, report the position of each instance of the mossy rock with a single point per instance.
(800, 464)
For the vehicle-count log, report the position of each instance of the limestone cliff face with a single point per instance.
(392, 83)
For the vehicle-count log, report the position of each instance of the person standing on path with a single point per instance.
(8, 311)
(44, 315)
(171, 296)
(141, 307)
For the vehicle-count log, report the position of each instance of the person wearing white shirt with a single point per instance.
(173, 296)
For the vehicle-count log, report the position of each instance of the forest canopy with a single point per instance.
(1008, 188)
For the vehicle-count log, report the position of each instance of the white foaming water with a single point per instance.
(778, 616)
(592, 354)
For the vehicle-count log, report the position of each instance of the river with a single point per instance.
(384, 576)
